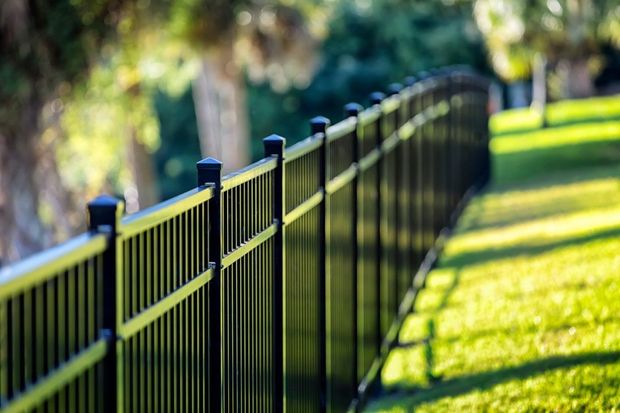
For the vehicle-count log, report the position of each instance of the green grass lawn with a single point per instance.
(561, 113)
(522, 313)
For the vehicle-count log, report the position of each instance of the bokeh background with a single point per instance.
(124, 96)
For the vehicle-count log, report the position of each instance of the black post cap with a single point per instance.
(352, 109)
(424, 75)
(376, 97)
(274, 145)
(209, 171)
(319, 124)
(410, 80)
(104, 211)
(394, 88)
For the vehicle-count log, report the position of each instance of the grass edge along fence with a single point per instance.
(277, 287)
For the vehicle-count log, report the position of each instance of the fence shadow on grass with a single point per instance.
(427, 342)
(524, 165)
(481, 216)
(482, 256)
(463, 260)
(411, 398)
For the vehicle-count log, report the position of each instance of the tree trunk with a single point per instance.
(68, 212)
(22, 231)
(539, 87)
(517, 95)
(576, 78)
(69, 216)
(145, 193)
(219, 102)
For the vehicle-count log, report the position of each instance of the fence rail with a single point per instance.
(276, 288)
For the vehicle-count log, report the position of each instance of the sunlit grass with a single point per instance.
(515, 120)
(557, 137)
(522, 156)
(568, 111)
(523, 312)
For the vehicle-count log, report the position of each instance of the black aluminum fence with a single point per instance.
(278, 287)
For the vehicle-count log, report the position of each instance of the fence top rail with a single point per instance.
(152, 216)
(416, 89)
(39, 267)
(340, 129)
(406, 93)
(251, 171)
(302, 148)
(390, 104)
(369, 115)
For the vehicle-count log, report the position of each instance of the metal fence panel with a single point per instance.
(302, 283)
(341, 301)
(51, 313)
(368, 270)
(278, 287)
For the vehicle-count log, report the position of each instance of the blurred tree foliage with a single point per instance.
(273, 41)
(89, 90)
(370, 44)
(571, 34)
(179, 150)
(77, 83)
(163, 49)
(45, 48)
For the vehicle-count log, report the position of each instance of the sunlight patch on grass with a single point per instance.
(538, 233)
(546, 201)
(592, 109)
(514, 120)
(557, 137)
(524, 157)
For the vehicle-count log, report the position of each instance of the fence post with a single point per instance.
(400, 180)
(428, 162)
(457, 120)
(465, 132)
(417, 184)
(209, 172)
(486, 149)
(352, 110)
(452, 146)
(444, 152)
(318, 127)
(375, 99)
(435, 138)
(104, 216)
(479, 108)
(274, 147)
(413, 179)
(469, 147)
